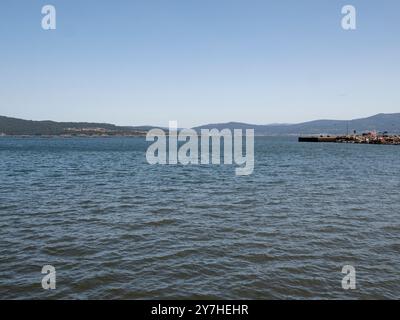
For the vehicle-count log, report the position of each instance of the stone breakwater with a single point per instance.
(366, 138)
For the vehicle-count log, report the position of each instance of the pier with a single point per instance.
(365, 138)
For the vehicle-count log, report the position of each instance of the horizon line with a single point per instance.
(205, 124)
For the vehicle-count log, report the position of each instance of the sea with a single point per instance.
(115, 227)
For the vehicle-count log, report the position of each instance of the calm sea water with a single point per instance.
(115, 227)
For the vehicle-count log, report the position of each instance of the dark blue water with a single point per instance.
(114, 226)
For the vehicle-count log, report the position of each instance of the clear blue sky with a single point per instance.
(134, 62)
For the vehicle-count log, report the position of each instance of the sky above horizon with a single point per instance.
(150, 61)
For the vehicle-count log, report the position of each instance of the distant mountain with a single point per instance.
(380, 122)
(13, 126)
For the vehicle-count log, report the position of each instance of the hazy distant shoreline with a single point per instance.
(389, 123)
